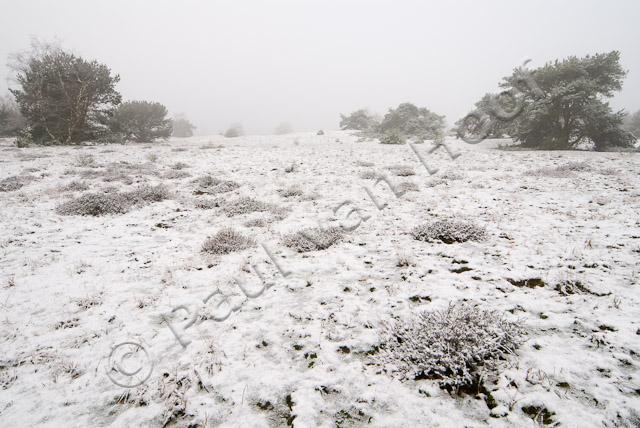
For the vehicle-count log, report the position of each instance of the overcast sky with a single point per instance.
(260, 63)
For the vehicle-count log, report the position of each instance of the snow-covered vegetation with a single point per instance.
(502, 290)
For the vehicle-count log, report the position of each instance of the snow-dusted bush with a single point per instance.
(392, 138)
(449, 231)
(244, 205)
(75, 186)
(10, 184)
(146, 193)
(111, 201)
(313, 239)
(85, 160)
(370, 174)
(407, 186)
(95, 204)
(294, 190)
(212, 185)
(227, 241)
(401, 170)
(207, 204)
(456, 346)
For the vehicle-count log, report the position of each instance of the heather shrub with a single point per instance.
(457, 346)
(370, 174)
(85, 160)
(95, 204)
(10, 184)
(244, 205)
(449, 231)
(407, 186)
(110, 201)
(392, 137)
(227, 241)
(401, 170)
(75, 186)
(291, 191)
(313, 239)
(210, 185)
(148, 194)
(208, 204)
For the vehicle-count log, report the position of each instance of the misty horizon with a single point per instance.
(306, 62)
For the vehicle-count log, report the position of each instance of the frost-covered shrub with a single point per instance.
(146, 193)
(212, 185)
(562, 171)
(313, 239)
(10, 184)
(208, 204)
(451, 176)
(85, 160)
(244, 205)
(401, 170)
(575, 166)
(370, 174)
(110, 201)
(364, 163)
(75, 186)
(456, 346)
(291, 191)
(179, 165)
(96, 204)
(175, 174)
(392, 138)
(227, 241)
(407, 186)
(449, 231)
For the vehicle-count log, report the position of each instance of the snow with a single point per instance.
(72, 288)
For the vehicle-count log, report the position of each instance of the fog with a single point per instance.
(261, 63)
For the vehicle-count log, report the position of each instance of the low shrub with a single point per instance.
(148, 194)
(210, 185)
(401, 170)
(244, 205)
(95, 204)
(407, 186)
(10, 184)
(227, 241)
(449, 231)
(110, 201)
(75, 186)
(457, 346)
(85, 161)
(313, 239)
(291, 191)
(392, 138)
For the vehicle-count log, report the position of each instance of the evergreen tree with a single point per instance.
(141, 121)
(359, 120)
(64, 98)
(573, 109)
(182, 128)
(410, 121)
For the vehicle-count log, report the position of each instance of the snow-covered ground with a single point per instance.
(72, 288)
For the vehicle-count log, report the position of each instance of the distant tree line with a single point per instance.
(62, 98)
(565, 108)
(406, 121)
